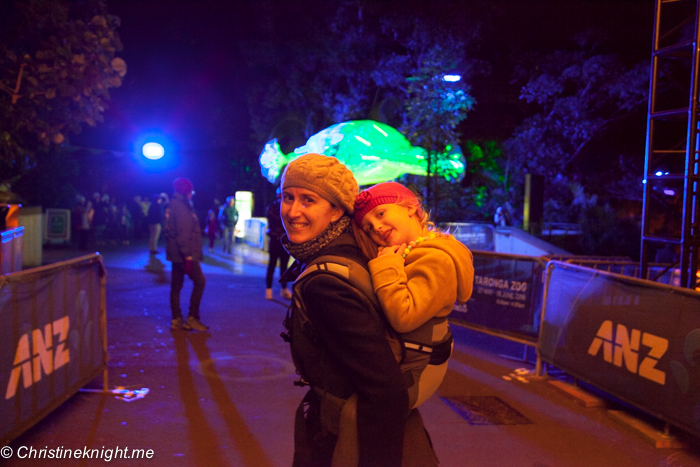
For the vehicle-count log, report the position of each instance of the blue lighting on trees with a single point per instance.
(153, 151)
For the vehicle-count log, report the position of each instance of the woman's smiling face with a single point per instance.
(306, 214)
(392, 224)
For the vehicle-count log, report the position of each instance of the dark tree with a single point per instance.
(578, 97)
(58, 63)
(367, 64)
(317, 74)
(431, 106)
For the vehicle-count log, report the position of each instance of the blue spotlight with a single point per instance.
(152, 151)
(155, 152)
(451, 78)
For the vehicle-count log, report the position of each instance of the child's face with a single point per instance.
(392, 224)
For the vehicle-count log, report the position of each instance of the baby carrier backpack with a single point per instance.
(302, 336)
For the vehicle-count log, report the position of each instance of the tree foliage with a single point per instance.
(431, 108)
(58, 62)
(388, 68)
(316, 80)
(577, 96)
(487, 182)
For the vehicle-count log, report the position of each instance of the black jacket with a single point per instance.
(275, 226)
(228, 216)
(182, 232)
(356, 358)
(155, 213)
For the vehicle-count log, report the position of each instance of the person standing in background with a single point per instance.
(184, 250)
(125, 224)
(112, 229)
(136, 217)
(155, 223)
(275, 230)
(228, 217)
(145, 205)
(211, 228)
(76, 218)
(99, 222)
(85, 227)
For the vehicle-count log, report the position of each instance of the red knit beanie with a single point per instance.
(183, 186)
(382, 193)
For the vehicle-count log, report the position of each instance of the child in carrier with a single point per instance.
(418, 273)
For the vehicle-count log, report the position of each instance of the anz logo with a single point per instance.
(625, 346)
(44, 357)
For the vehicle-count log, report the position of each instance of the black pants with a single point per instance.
(277, 252)
(83, 235)
(314, 445)
(177, 280)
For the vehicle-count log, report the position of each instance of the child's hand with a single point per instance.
(393, 250)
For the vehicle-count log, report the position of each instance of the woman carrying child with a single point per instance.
(338, 343)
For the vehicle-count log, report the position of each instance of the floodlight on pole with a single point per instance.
(152, 151)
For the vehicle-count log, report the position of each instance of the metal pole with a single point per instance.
(689, 235)
(643, 261)
(548, 268)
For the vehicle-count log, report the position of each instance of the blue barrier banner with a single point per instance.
(53, 339)
(634, 339)
(475, 236)
(506, 295)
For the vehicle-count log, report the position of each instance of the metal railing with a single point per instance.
(662, 273)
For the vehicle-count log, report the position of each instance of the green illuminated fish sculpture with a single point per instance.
(375, 153)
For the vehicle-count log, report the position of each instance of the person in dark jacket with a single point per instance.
(155, 222)
(348, 354)
(136, 217)
(184, 250)
(275, 230)
(228, 218)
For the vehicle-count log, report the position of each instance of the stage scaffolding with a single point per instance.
(670, 217)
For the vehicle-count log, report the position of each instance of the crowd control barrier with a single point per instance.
(507, 295)
(54, 338)
(657, 272)
(635, 339)
(11, 250)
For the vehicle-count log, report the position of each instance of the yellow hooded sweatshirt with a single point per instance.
(417, 296)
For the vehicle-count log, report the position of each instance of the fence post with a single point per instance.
(547, 276)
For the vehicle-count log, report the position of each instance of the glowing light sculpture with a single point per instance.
(375, 153)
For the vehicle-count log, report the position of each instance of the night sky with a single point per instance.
(188, 80)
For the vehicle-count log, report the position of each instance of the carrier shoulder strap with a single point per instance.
(360, 278)
(348, 269)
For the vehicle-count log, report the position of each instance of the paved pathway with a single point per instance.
(226, 398)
